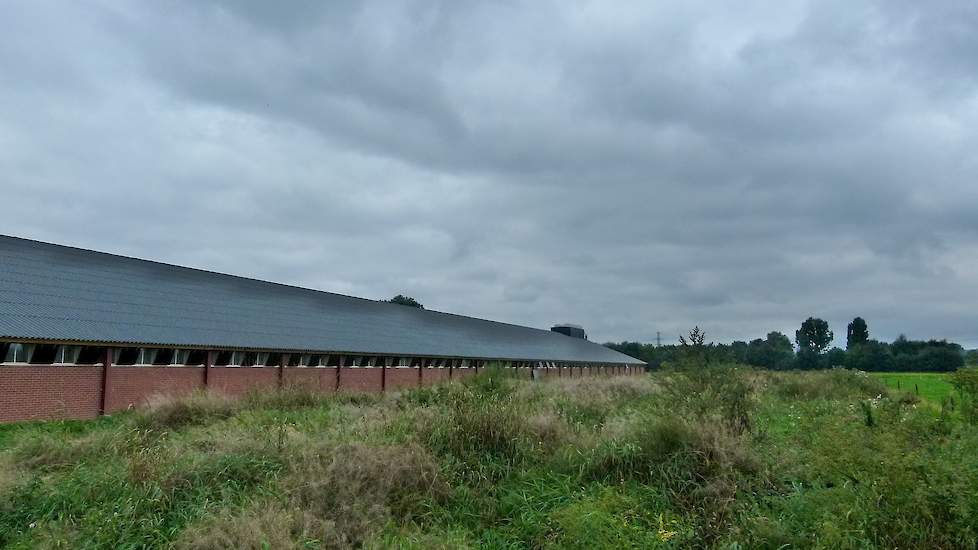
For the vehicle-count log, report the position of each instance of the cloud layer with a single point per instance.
(632, 168)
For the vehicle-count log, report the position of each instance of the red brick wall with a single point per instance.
(402, 378)
(239, 380)
(52, 392)
(360, 379)
(133, 386)
(49, 393)
(313, 379)
(433, 376)
(459, 374)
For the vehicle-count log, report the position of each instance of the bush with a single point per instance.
(171, 413)
(966, 382)
(723, 392)
(829, 384)
(353, 490)
(700, 466)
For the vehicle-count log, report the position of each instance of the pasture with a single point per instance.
(932, 386)
(719, 457)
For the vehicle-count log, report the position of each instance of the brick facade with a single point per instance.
(35, 392)
(49, 393)
(133, 386)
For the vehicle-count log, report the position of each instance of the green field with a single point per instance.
(932, 386)
(726, 458)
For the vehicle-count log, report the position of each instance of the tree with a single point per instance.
(405, 301)
(782, 352)
(939, 359)
(870, 356)
(694, 351)
(856, 333)
(971, 358)
(738, 351)
(774, 352)
(813, 336)
(835, 357)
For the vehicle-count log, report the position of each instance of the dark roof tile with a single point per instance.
(54, 292)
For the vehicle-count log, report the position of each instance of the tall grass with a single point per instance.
(717, 457)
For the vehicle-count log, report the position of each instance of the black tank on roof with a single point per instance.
(574, 331)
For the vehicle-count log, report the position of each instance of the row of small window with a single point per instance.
(50, 354)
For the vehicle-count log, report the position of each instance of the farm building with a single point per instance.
(84, 333)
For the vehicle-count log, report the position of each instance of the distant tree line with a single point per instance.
(810, 351)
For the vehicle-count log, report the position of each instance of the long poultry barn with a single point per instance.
(85, 333)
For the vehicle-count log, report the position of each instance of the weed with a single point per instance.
(171, 413)
(355, 489)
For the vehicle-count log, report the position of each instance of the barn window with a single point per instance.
(195, 357)
(44, 354)
(125, 356)
(89, 355)
(18, 353)
(68, 355)
(224, 358)
(163, 357)
(296, 360)
(248, 359)
(272, 359)
(147, 356)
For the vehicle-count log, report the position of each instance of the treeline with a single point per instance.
(810, 351)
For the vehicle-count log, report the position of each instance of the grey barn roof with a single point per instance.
(58, 293)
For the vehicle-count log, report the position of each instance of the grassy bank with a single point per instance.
(932, 386)
(722, 458)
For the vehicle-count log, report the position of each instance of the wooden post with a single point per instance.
(106, 365)
(383, 375)
(451, 367)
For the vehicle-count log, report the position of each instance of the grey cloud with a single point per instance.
(636, 168)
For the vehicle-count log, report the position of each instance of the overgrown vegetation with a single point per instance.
(718, 457)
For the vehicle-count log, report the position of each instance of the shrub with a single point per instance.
(171, 413)
(475, 430)
(701, 466)
(290, 398)
(717, 391)
(353, 490)
(966, 382)
(828, 384)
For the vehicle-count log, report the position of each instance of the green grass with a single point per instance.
(724, 457)
(932, 386)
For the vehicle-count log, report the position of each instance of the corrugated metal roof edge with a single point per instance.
(294, 287)
(112, 343)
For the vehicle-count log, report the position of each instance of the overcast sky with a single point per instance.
(629, 167)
